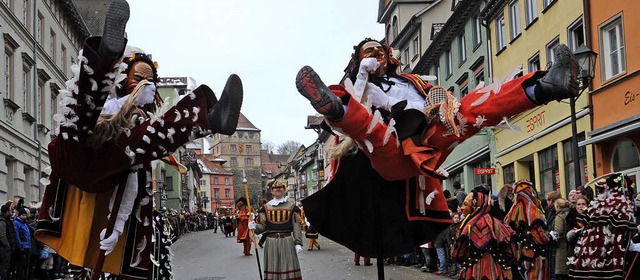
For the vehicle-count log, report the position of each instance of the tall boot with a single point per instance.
(560, 82)
(223, 117)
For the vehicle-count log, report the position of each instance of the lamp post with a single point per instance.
(162, 195)
(586, 61)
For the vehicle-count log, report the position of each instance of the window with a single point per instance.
(8, 73)
(509, 174)
(233, 148)
(531, 10)
(64, 58)
(168, 183)
(52, 46)
(464, 91)
(462, 48)
(42, 106)
(53, 106)
(40, 29)
(479, 78)
(500, 33)
(227, 181)
(248, 162)
(548, 159)
(26, 14)
(227, 193)
(575, 34)
(612, 42)
(416, 47)
(534, 63)
(448, 63)
(551, 50)
(625, 156)
(548, 3)
(482, 179)
(405, 56)
(216, 193)
(477, 31)
(233, 162)
(569, 167)
(203, 182)
(249, 149)
(394, 28)
(26, 86)
(215, 181)
(437, 81)
(514, 19)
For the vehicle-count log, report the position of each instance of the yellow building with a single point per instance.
(524, 33)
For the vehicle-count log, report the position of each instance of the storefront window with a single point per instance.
(509, 174)
(625, 156)
(569, 167)
(549, 169)
(482, 179)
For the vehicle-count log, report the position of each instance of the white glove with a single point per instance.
(367, 65)
(553, 235)
(109, 243)
(146, 95)
(635, 247)
(379, 98)
(298, 248)
(252, 225)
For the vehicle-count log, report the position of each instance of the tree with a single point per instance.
(268, 146)
(288, 148)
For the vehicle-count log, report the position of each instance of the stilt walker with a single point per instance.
(102, 156)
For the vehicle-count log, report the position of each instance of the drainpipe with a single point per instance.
(36, 135)
(586, 16)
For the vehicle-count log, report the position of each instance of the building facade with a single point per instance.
(41, 41)
(615, 88)
(524, 33)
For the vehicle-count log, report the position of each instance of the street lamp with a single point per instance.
(162, 195)
(586, 61)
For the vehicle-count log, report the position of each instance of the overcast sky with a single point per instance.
(264, 42)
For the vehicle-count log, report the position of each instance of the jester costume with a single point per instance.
(242, 220)
(528, 220)
(280, 222)
(600, 250)
(395, 172)
(483, 244)
(79, 198)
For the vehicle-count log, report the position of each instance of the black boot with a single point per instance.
(322, 99)
(560, 82)
(223, 117)
(208, 93)
(113, 42)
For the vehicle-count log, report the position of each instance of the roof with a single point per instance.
(213, 165)
(267, 157)
(244, 123)
(273, 168)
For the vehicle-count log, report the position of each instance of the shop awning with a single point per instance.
(612, 131)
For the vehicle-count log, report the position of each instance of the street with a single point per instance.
(206, 255)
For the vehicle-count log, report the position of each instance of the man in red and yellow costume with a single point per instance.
(242, 219)
(404, 131)
(99, 194)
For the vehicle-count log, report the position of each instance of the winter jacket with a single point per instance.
(23, 235)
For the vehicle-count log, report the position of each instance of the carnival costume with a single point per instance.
(279, 218)
(600, 250)
(527, 219)
(483, 244)
(243, 229)
(396, 167)
(83, 178)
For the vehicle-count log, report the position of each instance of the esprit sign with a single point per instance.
(484, 171)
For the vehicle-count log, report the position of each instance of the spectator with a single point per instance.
(452, 201)
(458, 192)
(578, 224)
(551, 217)
(559, 235)
(7, 241)
(23, 238)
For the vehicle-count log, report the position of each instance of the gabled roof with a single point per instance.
(244, 123)
(213, 165)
